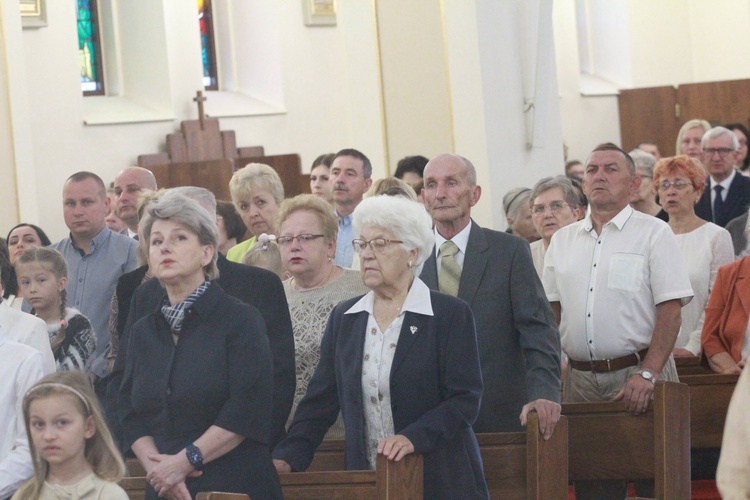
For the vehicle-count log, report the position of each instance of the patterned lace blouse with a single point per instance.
(310, 310)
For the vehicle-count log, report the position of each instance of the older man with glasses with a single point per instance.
(728, 193)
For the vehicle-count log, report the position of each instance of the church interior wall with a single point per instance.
(328, 91)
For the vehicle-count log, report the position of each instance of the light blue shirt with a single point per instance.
(92, 279)
(344, 248)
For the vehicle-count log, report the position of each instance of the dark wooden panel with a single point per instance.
(289, 168)
(213, 175)
(649, 115)
(606, 442)
(718, 102)
(709, 402)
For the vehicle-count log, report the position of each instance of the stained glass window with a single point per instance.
(205, 20)
(89, 48)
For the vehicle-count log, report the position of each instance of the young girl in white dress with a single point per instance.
(71, 448)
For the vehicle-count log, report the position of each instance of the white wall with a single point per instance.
(669, 42)
(500, 53)
(330, 89)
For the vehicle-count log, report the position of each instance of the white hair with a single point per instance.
(407, 220)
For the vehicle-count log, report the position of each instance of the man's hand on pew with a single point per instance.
(395, 447)
(549, 415)
(636, 394)
(281, 465)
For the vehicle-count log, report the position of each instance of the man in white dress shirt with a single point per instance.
(26, 329)
(616, 282)
(20, 367)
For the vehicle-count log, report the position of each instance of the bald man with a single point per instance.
(129, 184)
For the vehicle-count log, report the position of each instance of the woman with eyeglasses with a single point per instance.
(680, 181)
(554, 204)
(307, 240)
(401, 363)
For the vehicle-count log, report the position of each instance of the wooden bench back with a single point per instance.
(709, 402)
(516, 464)
(607, 442)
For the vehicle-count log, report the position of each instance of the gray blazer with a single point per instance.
(519, 342)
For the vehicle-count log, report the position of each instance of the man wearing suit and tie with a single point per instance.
(519, 343)
(728, 195)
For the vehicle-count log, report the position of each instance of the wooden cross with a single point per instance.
(200, 100)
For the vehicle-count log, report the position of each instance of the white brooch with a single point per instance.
(413, 329)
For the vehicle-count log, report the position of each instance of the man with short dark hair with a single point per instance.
(129, 184)
(351, 174)
(651, 148)
(616, 282)
(519, 344)
(96, 258)
(727, 193)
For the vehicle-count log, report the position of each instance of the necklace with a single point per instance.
(324, 282)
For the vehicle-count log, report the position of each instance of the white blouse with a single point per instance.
(705, 250)
(379, 350)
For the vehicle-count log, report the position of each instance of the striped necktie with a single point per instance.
(450, 274)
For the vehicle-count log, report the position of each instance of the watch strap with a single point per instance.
(194, 456)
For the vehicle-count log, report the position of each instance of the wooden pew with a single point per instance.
(214, 495)
(690, 365)
(402, 479)
(516, 464)
(607, 442)
(709, 402)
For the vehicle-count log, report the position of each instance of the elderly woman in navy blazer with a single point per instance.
(401, 363)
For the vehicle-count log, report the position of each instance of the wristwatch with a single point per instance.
(194, 456)
(647, 375)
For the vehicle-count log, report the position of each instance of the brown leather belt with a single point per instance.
(609, 365)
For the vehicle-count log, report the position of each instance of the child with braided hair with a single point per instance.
(42, 275)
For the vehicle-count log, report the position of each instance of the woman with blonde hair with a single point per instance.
(689, 138)
(257, 192)
(307, 239)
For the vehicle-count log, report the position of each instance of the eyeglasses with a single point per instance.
(376, 244)
(722, 151)
(679, 184)
(301, 238)
(554, 207)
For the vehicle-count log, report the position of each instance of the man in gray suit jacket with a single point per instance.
(519, 343)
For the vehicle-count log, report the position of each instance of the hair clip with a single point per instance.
(264, 239)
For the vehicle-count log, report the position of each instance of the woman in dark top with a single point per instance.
(196, 396)
(20, 237)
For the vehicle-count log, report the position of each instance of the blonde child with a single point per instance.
(71, 448)
(265, 253)
(42, 275)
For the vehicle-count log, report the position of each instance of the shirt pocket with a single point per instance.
(625, 272)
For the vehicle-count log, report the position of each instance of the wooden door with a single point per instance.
(719, 103)
(649, 115)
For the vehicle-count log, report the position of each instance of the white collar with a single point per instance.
(418, 301)
(461, 240)
(618, 220)
(726, 182)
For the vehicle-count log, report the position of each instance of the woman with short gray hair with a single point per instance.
(197, 389)
(554, 204)
(516, 204)
(380, 359)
